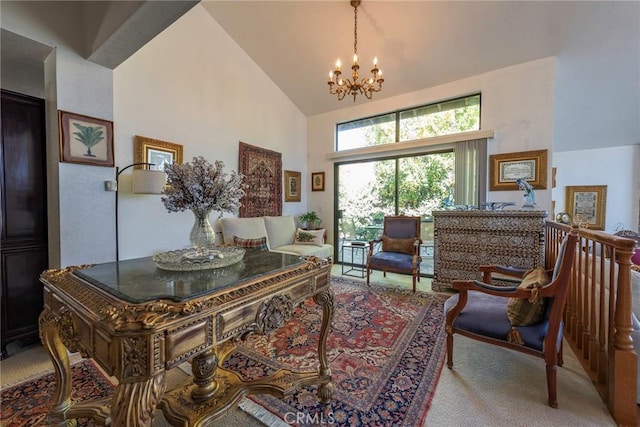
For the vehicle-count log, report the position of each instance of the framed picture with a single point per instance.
(292, 187)
(504, 169)
(586, 204)
(85, 140)
(160, 153)
(317, 181)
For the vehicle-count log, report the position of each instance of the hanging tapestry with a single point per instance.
(263, 181)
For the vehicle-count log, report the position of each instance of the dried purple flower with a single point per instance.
(202, 187)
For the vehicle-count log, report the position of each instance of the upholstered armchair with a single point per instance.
(525, 318)
(400, 250)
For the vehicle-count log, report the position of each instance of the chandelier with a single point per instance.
(365, 86)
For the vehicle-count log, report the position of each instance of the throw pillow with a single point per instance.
(310, 237)
(404, 246)
(524, 312)
(260, 243)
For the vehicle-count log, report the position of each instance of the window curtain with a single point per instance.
(471, 172)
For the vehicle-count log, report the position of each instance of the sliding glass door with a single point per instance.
(412, 185)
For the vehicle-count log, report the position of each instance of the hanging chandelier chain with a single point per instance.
(355, 29)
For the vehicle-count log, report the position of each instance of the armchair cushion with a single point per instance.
(486, 315)
(390, 244)
(391, 261)
(524, 312)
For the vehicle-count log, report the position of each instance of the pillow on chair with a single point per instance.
(404, 246)
(523, 312)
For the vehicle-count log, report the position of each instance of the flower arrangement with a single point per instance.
(202, 187)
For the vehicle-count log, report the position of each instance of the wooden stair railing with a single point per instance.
(598, 312)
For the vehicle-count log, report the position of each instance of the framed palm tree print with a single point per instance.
(86, 140)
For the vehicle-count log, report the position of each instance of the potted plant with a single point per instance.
(311, 220)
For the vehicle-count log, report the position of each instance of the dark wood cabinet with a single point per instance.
(23, 246)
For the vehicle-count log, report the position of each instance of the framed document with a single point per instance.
(505, 169)
(586, 205)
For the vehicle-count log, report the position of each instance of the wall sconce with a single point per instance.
(144, 181)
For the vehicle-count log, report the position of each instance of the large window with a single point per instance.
(442, 118)
(405, 184)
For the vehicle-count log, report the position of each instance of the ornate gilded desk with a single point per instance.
(137, 321)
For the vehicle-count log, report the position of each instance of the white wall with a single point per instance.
(192, 85)
(618, 168)
(597, 90)
(85, 220)
(517, 103)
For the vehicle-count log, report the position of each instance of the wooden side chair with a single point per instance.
(400, 248)
(489, 313)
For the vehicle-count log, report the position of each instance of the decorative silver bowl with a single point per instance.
(192, 259)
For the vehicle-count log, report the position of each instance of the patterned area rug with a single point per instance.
(386, 351)
(27, 403)
(262, 170)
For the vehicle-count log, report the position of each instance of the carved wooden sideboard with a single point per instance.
(464, 240)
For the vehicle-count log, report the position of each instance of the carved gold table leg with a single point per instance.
(61, 402)
(135, 402)
(325, 300)
(204, 370)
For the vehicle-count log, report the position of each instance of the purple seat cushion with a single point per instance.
(486, 315)
(391, 261)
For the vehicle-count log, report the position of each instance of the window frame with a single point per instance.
(396, 114)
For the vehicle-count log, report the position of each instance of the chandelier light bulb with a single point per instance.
(375, 61)
(338, 65)
(355, 58)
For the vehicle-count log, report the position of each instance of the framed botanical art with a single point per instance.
(292, 187)
(505, 169)
(317, 181)
(86, 140)
(587, 204)
(160, 153)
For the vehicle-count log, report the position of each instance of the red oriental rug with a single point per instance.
(262, 170)
(386, 351)
(27, 403)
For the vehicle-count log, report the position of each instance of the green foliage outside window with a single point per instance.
(425, 182)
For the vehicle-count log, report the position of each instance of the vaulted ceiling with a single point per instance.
(419, 44)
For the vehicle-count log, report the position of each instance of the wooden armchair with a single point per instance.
(479, 311)
(400, 248)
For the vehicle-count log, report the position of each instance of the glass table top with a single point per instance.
(139, 280)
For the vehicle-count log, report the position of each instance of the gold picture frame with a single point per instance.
(317, 181)
(586, 204)
(149, 150)
(292, 186)
(85, 140)
(505, 168)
